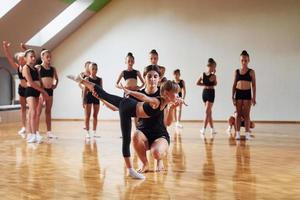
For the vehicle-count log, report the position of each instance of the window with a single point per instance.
(59, 22)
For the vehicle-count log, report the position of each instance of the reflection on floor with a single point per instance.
(267, 167)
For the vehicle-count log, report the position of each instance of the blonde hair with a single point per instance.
(18, 55)
(169, 86)
(45, 51)
(28, 51)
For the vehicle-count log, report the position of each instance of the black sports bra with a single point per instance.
(34, 73)
(243, 77)
(150, 111)
(206, 80)
(130, 74)
(180, 84)
(20, 75)
(46, 72)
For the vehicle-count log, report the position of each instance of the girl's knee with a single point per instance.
(156, 154)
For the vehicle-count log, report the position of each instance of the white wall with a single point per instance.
(186, 34)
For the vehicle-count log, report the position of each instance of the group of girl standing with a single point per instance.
(37, 82)
(243, 95)
(154, 107)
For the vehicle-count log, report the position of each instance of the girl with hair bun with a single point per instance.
(208, 80)
(243, 93)
(154, 60)
(130, 75)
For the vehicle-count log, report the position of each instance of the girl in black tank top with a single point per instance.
(208, 80)
(181, 94)
(129, 108)
(92, 102)
(243, 96)
(33, 91)
(49, 79)
(18, 66)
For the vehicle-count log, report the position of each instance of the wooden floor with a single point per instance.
(268, 167)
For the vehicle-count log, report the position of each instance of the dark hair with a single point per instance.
(130, 55)
(94, 65)
(28, 51)
(245, 53)
(151, 68)
(176, 71)
(153, 51)
(211, 62)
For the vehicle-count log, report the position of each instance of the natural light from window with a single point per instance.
(7, 5)
(59, 22)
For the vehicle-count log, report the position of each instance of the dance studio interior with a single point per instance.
(149, 99)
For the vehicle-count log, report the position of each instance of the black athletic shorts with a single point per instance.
(21, 91)
(243, 94)
(153, 135)
(31, 92)
(208, 95)
(49, 91)
(90, 99)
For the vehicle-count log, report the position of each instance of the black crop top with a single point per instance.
(97, 81)
(150, 111)
(130, 74)
(34, 73)
(46, 72)
(180, 83)
(153, 123)
(243, 77)
(206, 80)
(20, 75)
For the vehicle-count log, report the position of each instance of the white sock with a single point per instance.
(248, 136)
(87, 134)
(22, 130)
(134, 174)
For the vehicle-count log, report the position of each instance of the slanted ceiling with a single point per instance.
(29, 16)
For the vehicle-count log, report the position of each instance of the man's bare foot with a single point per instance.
(144, 169)
(160, 166)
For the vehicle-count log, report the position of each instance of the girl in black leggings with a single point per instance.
(128, 107)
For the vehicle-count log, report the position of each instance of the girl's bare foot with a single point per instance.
(144, 169)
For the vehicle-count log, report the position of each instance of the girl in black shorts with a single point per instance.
(91, 101)
(129, 107)
(181, 94)
(32, 93)
(209, 81)
(22, 86)
(151, 133)
(244, 86)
